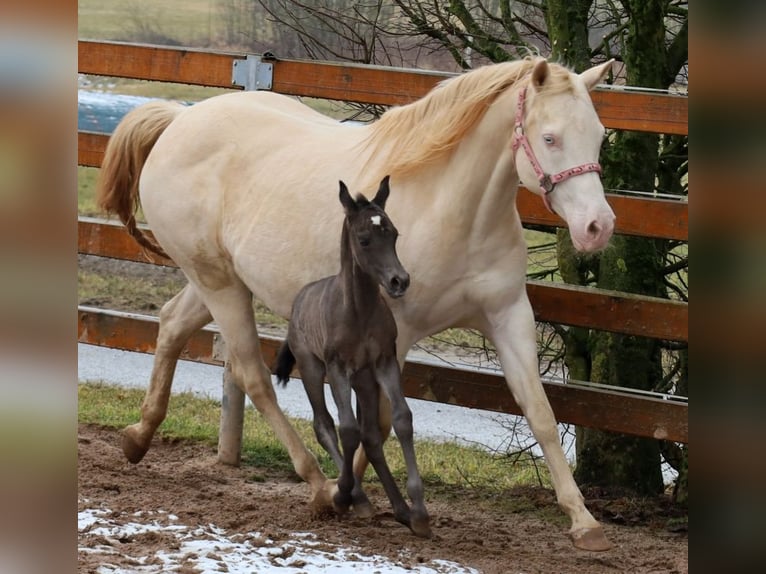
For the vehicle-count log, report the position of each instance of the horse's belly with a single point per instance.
(252, 187)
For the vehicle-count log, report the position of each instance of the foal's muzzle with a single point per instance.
(397, 285)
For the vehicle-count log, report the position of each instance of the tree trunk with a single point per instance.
(628, 264)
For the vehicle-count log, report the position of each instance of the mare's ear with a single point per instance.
(595, 75)
(382, 195)
(346, 200)
(540, 73)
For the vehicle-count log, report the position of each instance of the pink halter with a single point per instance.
(547, 182)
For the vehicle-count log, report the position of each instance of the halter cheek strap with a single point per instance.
(547, 182)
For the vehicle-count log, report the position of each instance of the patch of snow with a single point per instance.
(210, 549)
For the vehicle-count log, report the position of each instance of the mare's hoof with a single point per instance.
(421, 527)
(591, 539)
(321, 502)
(133, 451)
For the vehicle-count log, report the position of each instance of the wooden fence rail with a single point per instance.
(586, 405)
(553, 302)
(627, 110)
(616, 410)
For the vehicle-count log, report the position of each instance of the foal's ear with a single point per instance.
(382, 195)
(595, 75)
(346, 200)
(540, 73)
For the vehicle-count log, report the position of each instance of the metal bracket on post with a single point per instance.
(253, 73)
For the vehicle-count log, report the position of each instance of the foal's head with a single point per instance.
(372, 239)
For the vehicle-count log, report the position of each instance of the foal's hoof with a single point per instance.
(591, 539)
(421, 527)
(364, 509)
(321, 502)
(133, 451)
(341, 503)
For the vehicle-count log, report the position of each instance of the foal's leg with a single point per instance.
(384, 424)
(349, 435)
(368, 392)
(389, 378)
(231, 307)
(179, 319)
(312, 374)
(512, 330)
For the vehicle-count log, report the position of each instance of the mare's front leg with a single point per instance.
(179, 319)
(513, 332)
(389, 378)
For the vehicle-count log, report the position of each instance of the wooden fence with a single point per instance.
(621, 410)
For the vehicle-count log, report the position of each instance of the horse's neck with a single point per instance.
(360, 290)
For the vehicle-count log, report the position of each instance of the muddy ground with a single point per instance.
(493, 536)
(516, 531)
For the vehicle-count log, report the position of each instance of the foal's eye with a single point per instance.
(364, 241)
(549, 139)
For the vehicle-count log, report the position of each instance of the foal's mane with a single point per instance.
(408, 137)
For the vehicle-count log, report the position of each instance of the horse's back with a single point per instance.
(244, 122)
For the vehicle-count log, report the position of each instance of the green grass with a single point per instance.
(86, 191)
(444, 466)
(188, 22)
(124, 292)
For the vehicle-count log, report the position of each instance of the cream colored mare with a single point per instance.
(241, 191)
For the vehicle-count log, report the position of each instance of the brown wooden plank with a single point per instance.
(653, 112)
(571, 403)
(352, 82)
(644, 112)
(159, 63)
(553, 302)
(90, 148)
(645, 217)
(609, 310)
(133, 332)
(109, 239)
(607, 410)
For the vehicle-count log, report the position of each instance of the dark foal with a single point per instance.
(341, 326)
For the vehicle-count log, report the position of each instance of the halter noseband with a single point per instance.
(547, 182)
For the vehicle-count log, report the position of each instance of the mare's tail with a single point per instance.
(128, 148)
(285, 364)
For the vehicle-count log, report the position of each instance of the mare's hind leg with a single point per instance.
(389, 376)
(179, 319)
(313, 373)
(231, 307)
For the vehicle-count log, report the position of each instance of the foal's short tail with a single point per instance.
(128, 148)
(285, 364)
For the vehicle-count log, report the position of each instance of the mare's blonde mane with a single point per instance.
(409, 137)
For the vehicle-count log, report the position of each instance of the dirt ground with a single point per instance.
(183, 478)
